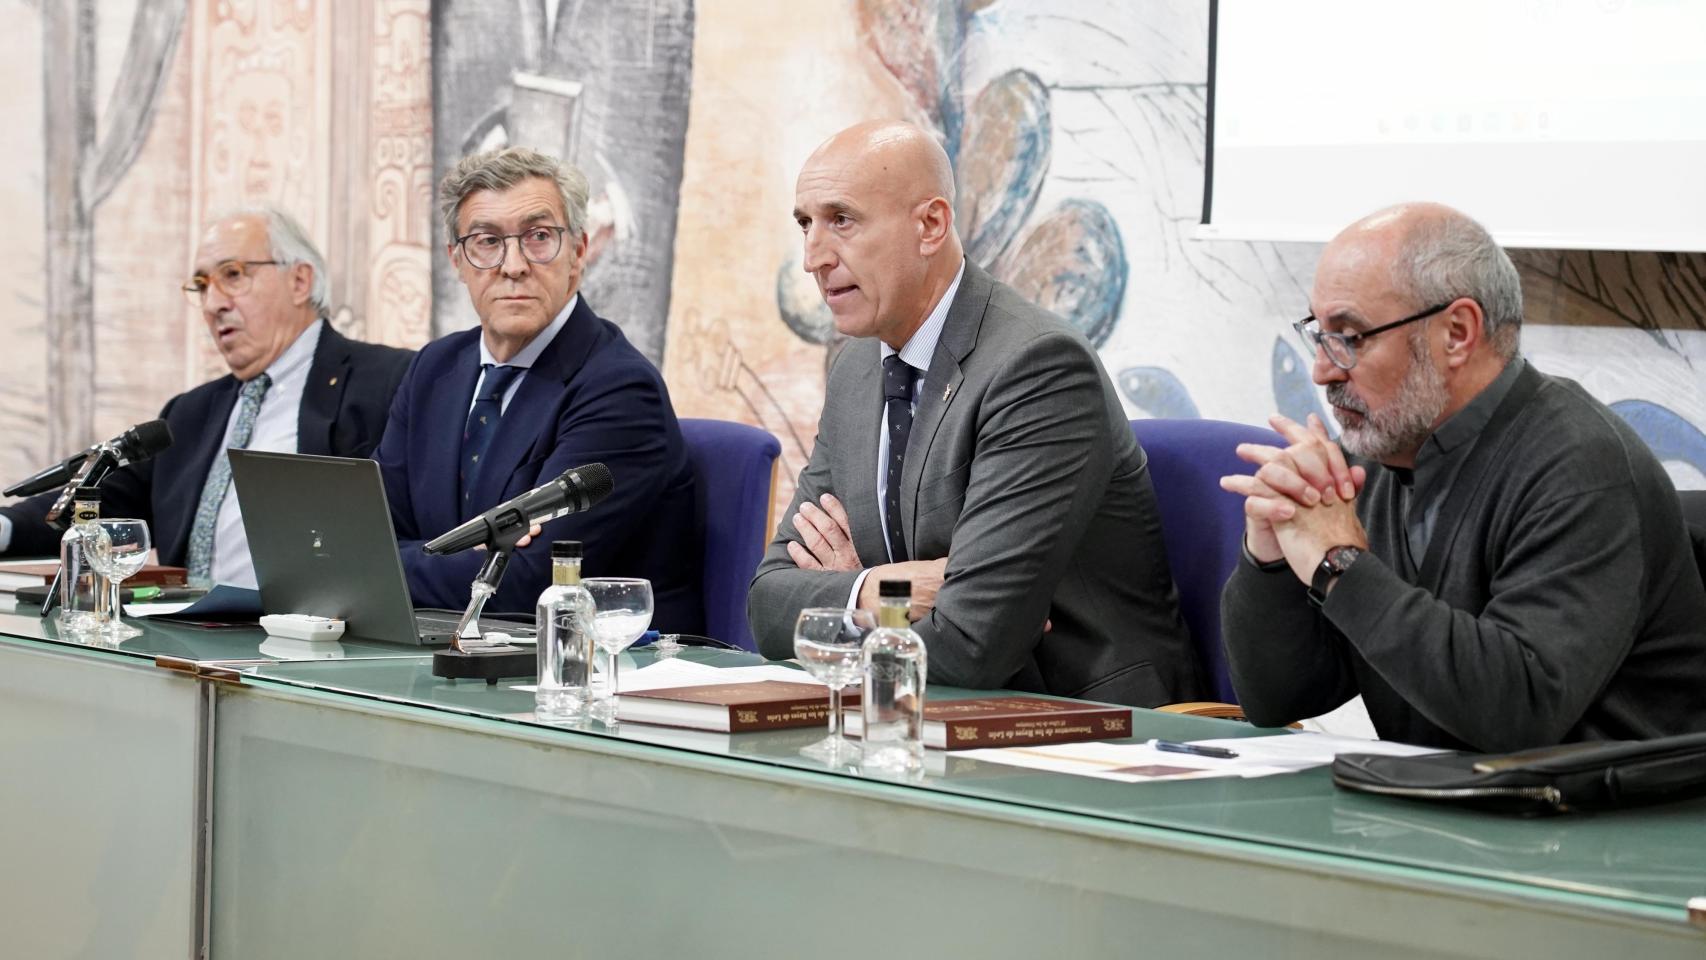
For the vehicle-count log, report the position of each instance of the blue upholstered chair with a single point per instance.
(1202, 525)
(735, 466)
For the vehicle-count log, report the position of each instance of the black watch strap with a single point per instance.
(1337, 560)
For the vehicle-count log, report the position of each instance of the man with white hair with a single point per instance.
(296, 386)
(543, 385)
(1499, 564)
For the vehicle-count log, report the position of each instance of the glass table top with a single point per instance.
(1648, 858)
(235, 643)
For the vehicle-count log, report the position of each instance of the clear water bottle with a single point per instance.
(564, 621)
(82, 591)
(892, 705)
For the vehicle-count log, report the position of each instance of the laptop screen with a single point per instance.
(321, 538)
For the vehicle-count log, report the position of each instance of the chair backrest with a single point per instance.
(1201, 524)
(735, 467)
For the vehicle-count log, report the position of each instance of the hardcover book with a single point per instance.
(40, 573)
(732, 707)
(1014, 722)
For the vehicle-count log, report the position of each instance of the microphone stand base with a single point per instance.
(490, 664)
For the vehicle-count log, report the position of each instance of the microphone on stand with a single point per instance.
(498, 529)
(578, 489)
(89, 468)
(132, 446)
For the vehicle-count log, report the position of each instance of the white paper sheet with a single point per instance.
(1140, 762)
(155, 609)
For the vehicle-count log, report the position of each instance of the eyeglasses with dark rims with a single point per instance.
(486, 251)
(1341, 348)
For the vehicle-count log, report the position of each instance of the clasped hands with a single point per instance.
(1301, 501)
(826, 543)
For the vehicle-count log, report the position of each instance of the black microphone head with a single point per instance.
(145, 440)
(592, 481)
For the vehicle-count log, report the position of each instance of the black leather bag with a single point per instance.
(1575, 776)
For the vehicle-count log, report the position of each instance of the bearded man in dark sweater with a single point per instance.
(1499, 564)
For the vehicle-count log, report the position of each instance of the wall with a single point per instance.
(1077, 137)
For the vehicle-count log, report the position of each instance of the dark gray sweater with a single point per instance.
(1558, 599)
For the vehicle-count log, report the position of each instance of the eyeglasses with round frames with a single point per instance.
(1341, 348)
(232, 277)
(486, 251)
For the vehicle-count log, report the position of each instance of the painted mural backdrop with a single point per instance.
(602, 83)
(156, 115)
(1076, 132)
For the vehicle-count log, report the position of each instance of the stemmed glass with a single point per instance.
(120, 551)
(623, 611)
(827, 641)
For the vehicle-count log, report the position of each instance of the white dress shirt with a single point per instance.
(524, 358)
(275, 430)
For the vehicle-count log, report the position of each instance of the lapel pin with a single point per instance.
(946, 392)
(332, 382)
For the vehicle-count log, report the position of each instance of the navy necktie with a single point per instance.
(897, 405)
(483, 422)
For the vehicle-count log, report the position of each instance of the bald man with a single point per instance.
(972, 444)
(295, 385)
(1500, 562)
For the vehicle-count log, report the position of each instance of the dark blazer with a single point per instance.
(1022, 471)
(343, 410)
(1558, 599)
(590, 397)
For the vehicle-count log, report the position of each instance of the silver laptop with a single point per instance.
(321, 539)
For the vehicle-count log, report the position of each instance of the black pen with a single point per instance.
(1195, 749)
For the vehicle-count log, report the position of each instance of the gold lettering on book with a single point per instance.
(797, 713)
(746, 716)
(965, 733)
(1114, 724)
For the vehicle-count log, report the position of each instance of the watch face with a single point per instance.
(1342, 557)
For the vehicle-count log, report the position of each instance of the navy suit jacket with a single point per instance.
(590, 397)
(343, 411)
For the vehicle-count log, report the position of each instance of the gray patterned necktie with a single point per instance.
(219, 481)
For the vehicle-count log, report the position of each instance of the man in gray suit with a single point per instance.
(1501, 563)
(972, 444)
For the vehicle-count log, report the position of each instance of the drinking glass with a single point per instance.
(827, 641)
(120, 551)
(622, 612)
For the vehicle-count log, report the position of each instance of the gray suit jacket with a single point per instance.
(1022, 470)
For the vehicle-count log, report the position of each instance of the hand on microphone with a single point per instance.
(526, 538)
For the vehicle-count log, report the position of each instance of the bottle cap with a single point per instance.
(87, 494)
(889, 589)
(565, 550)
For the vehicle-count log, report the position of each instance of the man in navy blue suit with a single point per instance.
(296, 386)
(542, 385)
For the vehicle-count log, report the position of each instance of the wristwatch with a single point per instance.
(1337, 561)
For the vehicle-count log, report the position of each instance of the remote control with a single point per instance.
(301, 626)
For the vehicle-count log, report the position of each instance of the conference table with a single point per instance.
(200, 793)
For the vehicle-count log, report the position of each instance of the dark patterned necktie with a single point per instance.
(218, 481)
(897, 405)
(483, 419)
